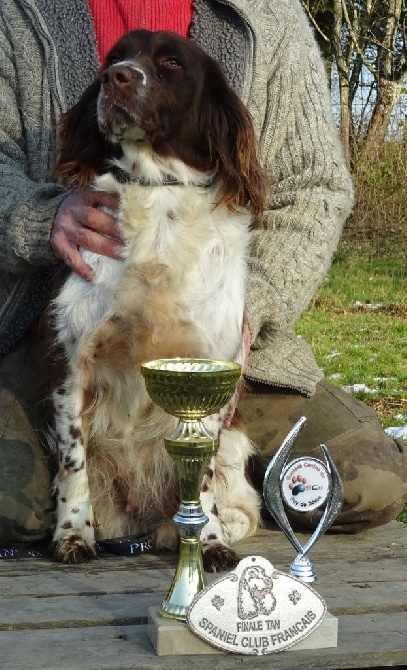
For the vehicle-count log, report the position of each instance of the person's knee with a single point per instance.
(26, 506)
(25, 467)
(373, 469)
(372, 466)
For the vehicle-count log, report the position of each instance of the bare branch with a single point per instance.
(355, 40)
(314, 23)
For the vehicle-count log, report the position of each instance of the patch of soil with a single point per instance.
(386, 408)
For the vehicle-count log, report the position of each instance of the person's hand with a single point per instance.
(79, 224)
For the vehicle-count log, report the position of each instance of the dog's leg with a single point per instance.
(74, 537)
(229, 500)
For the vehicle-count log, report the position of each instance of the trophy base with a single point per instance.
(170, 637)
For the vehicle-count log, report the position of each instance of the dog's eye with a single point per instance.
(171, 62)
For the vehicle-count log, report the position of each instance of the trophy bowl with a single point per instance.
(190, 388)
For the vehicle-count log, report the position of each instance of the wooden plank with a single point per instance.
(52, 583)
(385, 570)
(128, 608)
(365, 642)
(71, 611)
(363, 574)
(365, 598)
(105, 562)
(389, 541)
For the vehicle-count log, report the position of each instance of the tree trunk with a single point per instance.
(343, 74)
(389, 85)
(345, 119)
(388, 96)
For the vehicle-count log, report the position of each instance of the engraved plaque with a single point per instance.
(255, 609)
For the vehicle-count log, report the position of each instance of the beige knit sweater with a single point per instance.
(48, 55)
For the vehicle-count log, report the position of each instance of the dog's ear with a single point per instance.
(232, 144)
(83, 150)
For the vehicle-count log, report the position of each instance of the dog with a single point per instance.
(160, 127)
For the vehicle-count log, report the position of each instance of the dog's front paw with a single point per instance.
(219, 557)
(73, 549)
(239, 523)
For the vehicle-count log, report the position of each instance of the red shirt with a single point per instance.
(114, 18)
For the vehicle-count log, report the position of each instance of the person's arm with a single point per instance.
(311, 191)
(40, 221)
(27, 206)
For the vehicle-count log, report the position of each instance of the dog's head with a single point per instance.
(163, 89)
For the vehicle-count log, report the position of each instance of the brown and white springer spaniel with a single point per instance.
(160, 127)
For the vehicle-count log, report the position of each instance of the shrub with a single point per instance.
(379, 220)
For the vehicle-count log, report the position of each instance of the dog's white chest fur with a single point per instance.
(177, 245)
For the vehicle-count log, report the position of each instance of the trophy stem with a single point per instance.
(191, 446)
(189, 579)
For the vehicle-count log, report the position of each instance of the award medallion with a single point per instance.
(255, 609)
(305, 484)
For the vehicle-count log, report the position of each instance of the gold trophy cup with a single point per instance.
(189, 389)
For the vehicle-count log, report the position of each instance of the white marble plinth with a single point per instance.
(170, 637)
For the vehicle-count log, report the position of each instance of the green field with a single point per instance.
(357, 327)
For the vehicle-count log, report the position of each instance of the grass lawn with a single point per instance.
(357, 327)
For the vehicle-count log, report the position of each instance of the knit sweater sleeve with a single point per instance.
(311, 190)
(28, 202)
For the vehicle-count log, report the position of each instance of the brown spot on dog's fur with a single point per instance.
(219, 557)
(75, 432)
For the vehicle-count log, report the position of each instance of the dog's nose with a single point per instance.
(120, 75)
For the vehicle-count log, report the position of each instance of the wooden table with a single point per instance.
(93, 616)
